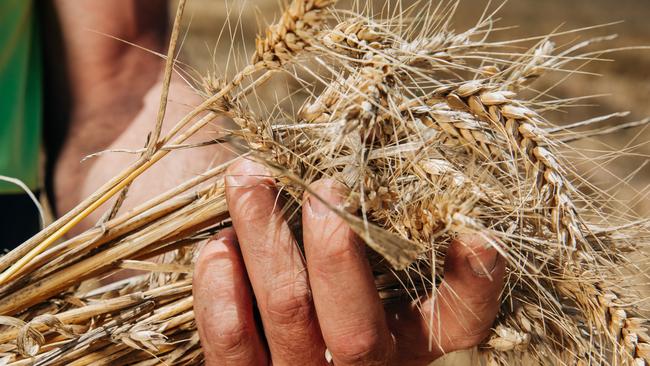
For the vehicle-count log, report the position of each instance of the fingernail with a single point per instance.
(329, 191)
(483, 263)
(246, 173)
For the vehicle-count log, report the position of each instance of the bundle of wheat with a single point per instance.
(435, 133)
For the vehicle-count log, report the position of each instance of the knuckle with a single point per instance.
(481, 303)
(359, 347)
(472, 338)
(213, 275)
(209, 261)
(479, 328)
(341, 251)
(290, 303)
(475, 331)
(249, 210)
(485, 309)
(215, 253)
(477, 336)
(231, 338)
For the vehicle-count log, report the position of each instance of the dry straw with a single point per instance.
(434, 132)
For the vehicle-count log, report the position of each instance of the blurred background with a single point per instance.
(621, 82)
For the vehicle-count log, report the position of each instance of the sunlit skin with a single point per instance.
(326, 300)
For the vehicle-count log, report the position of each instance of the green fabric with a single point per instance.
(20, 94)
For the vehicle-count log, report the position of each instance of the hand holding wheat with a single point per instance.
(330, 301)
(435, 134)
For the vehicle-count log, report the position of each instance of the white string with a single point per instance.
(31, 195)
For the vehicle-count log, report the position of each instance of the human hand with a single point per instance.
(327, 300)
(176, 168)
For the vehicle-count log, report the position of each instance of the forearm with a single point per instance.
(105, 78)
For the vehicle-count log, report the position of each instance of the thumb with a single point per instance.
(468, 298)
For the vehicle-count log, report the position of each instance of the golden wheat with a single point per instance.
(435, 133)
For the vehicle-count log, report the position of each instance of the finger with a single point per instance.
(349, 310)
(275, 267)
(223, 305)
(468, 298)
